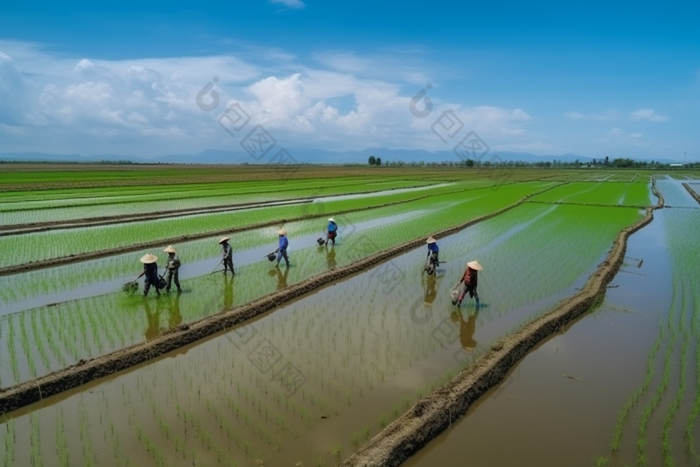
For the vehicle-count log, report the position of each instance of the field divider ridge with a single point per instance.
(692, 192)
(436, 412)
(85, 371)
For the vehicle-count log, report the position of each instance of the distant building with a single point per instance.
(675, 165)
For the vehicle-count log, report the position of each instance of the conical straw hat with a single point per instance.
(281, 232)
(430, 240)
(330, 219)
(475, 265)
(225, 239)
(170, 249)
(149, 259)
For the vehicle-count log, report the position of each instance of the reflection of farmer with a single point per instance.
(150, 270)
(228, 293)
(280, 276)
(228, 254)
(172, 267)
(330, 257)
(332, 231)
(466, 329)
(175, 318)
(469, 282)
(430, 291)
(153, 319)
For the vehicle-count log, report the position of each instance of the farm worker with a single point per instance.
(332, 231)
(282, 249)
(228, 254)
(469, 281)
(150, 270)
(172, 267)
(433, 249)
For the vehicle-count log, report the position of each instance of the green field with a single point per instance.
(367, 349)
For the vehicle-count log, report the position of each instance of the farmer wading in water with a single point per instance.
(469, 282)
(332, 231)
(150, 270)
(172, 267)
(228, 254)
(282, 249)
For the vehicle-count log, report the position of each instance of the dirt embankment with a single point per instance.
(692, 192)
(437, 411)
(21, 395)
(661, 201)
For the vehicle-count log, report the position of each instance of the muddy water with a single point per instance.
(561, 404)
(312, 380)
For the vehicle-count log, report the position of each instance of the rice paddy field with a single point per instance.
(316, 376)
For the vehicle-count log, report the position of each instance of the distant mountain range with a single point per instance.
(303, 156)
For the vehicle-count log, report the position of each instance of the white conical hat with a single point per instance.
(149, 259)
(170, 249)
(225, 239)
(330, 219)
(430, 240)
(281, 232)
(475, 265)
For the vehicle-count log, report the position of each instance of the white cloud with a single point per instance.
(615, 132)
(648, 115)
(148, 106)
(290, 3)
(573, 115)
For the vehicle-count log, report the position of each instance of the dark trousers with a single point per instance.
(282, 254)
(228, 263)
(173, 274)
(147, 286)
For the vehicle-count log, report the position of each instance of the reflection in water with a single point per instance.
(175, 318)
(430, 291)
(153, 318)
(228, 291)
(466, 328)
(330, 257)
(280, 276)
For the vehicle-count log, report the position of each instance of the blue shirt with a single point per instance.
(433, 247)
(332, 227)
(284, 243)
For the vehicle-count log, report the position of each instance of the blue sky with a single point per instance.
(596, 79)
